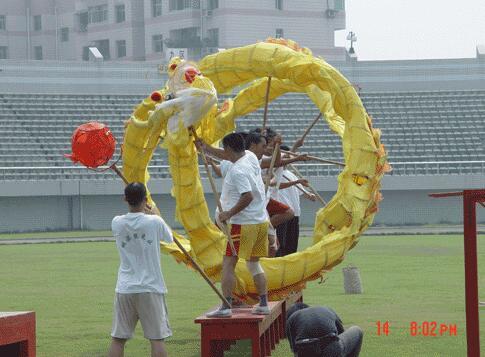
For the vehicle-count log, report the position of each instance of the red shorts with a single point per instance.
(276, 207)
(236, 238)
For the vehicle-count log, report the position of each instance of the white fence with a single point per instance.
(162, 171)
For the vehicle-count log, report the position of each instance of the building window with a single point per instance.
(120, 13)
(156, 8)
(279, 33)
(213, 38)
(339, 5)
(97, 14)
(103, 47)
(3, 52)
(185, 38)
(174, 5)
(157, 41)
(279, 4)
(38, 52)
(37, 23)
(64, 34)
(212, 4)
(86, 53)
(3, 22)
(83, 21)
(121, 48)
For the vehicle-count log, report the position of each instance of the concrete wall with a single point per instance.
(79, 77)
(410, 75)
(142, 77)
(91, 204)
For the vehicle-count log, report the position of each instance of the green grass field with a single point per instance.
(405, 279)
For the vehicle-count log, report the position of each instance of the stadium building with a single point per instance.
(431, 112)
(137, 30)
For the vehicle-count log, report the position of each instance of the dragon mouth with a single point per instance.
(190, 74)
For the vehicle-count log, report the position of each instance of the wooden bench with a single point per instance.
(17, 334)
(264, 331)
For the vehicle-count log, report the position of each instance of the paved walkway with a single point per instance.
(55, 240)
(304, 232)
(406, 230)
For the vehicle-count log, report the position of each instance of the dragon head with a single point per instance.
(185, 74)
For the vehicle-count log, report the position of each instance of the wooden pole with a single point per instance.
(315, 158)
(268, 86)
(216, 194)
(315, 192)
(310, 127)
(199, 269)
(176, 241)
(119, 173)
(217, 161)
(263, 129)
(297, 185)
(271, 166)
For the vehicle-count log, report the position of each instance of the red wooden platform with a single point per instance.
(17, 334)
(264, 331)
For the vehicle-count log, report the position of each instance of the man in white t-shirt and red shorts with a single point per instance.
(278, 212)
(244, 208)
(140, 289)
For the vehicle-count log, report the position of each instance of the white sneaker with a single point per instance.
(220, 312)
(261, 310)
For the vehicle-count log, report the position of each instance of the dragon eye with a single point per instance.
(156, 96)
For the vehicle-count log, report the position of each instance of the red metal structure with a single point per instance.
(470, 200)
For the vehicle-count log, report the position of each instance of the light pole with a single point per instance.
(352, 37)
(351, 55)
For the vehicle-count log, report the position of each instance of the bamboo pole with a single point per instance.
(176, 241)
(217, 161)
(271, 166)
(315, 192)
(297, 185)
(315, 158)
(268, 86)
(119, 173)
(199, 269)
(216, 194)
(310, 127)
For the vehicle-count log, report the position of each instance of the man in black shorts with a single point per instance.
(318, 332)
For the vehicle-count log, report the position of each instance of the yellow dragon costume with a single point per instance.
(190, 99)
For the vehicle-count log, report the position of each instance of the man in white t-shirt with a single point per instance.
(243, 201)
(290, 188)
(140, 289)
(278, 212)
(255, 145)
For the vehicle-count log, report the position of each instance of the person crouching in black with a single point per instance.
(318, 332)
